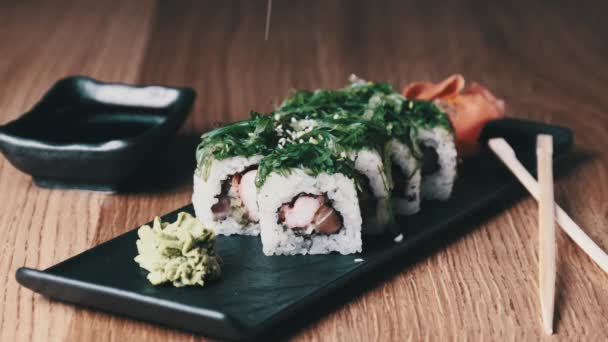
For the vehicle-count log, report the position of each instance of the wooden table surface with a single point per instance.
(549, 62)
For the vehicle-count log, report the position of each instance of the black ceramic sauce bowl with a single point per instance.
(92, 135)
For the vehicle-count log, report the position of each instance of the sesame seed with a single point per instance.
(358, 260)
(398, 238)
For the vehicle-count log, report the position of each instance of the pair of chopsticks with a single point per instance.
(549, 212)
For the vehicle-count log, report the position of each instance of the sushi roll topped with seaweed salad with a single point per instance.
(308, 201)
(338, 120)
(225, 194)
(334, 120)
(246, 138)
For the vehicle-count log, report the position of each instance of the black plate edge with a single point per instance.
(154, 310)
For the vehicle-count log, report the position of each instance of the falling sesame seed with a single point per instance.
(398, 238)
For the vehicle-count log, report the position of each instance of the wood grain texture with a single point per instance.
(548, 61)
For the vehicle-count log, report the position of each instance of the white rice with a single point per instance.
(206, 192)
(439, 184)
(368, 162)
(279, 189)
(406, 201)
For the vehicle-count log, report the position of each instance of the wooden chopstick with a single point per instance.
(506, 154)
(546, 233)
(268, 13)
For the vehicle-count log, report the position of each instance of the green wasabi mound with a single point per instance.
(182, 252)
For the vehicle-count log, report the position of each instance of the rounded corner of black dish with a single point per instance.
(84, 133)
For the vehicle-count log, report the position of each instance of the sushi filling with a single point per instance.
(238, 198)
(400, 182)
(430, 160)
(309, 214)
(367, 201)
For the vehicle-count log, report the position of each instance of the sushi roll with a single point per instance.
(374, 181)
(225, 195)
(406, 178)
(226, 199)
(436, 146)
(384, 107)
(425, 131)
(308, 202)
(347, 136)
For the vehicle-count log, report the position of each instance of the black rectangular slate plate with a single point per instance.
(258, 294)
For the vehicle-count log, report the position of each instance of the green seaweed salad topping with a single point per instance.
(255, 136)
(313, 159)
(346, 133)
(315, 130)
(388, 106)
(335, 120)
(375, 103)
